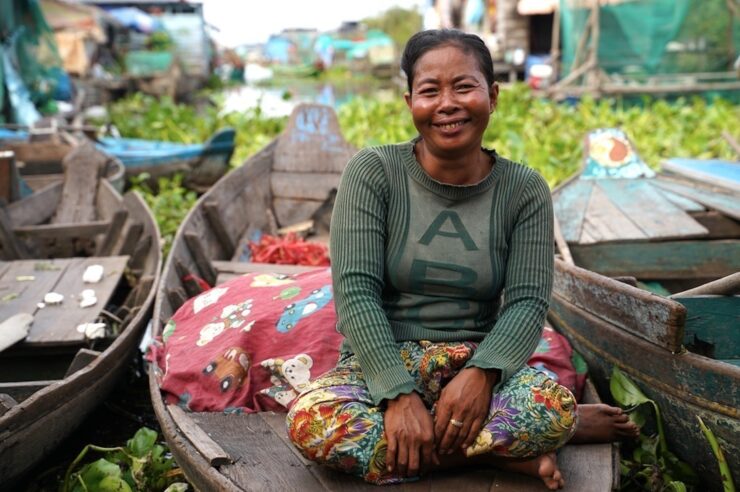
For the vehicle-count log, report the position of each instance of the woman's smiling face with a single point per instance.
(450, 101)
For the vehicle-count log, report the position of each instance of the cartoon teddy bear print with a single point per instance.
(289, 377)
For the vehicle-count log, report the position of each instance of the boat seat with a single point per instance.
(26, 282)
(228, 270)
(307, 164)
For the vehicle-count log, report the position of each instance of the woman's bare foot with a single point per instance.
(544, 467)
(603, 423)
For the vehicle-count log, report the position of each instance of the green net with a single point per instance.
(655, 36)
(28, 45)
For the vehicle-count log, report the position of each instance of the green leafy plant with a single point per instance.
(169, 204)
(724, 469)
(545, 135)
(142, 465)
(650, 465)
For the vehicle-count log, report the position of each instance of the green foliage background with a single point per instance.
(543, 134)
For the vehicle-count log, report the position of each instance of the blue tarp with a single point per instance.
(134, 18)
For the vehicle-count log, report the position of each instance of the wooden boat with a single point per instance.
(665, 233)
(289, 181)
(39, 158)
(55, 371)
(202, 164)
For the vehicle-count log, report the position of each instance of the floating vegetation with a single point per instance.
(142, 465)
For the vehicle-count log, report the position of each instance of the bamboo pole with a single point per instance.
(726, 286)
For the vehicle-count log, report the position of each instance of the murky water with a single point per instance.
(280, 98)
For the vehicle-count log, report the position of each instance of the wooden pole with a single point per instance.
(733, 143)
(560, 242)
(555, 46)
(726, 286)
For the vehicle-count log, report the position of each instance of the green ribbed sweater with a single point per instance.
(416, 259)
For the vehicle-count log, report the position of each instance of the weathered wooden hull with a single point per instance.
(251, 452)
(50, 410)
(42, 163)
(684, 385)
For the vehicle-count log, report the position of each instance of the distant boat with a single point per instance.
(202, 164)
(39, 159)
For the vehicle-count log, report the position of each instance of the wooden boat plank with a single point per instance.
(718, 225)
(242, 267)
(82, 169)
(112, 233)
(12, 247)
(683, 385)
(46, 155)
(570, 208)
(205, 269)
(83, 357)
(29, 293)
(715, 199)
(661, 260)
(57, 325)
(303, 185)
(20, 391)
(262, 461)
(312, 136)
(714, 172)
(107, 200)
(650, 317)
(67, 230)
(647, 208)
(714, 320)
(605, 222)
(213, 214)
(684, 203)
(577, 462)
(6, 403)
(36, 208)
(289, 211)
(214, 453)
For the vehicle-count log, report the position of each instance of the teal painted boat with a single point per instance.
(710, 171)
(202, 164)
(637, 289)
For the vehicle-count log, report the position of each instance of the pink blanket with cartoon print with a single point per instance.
(254, 342)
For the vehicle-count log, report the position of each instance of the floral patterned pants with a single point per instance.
(335, 422)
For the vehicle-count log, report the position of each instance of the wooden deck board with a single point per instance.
(570, 208)
(649, 210)
(227, 270)
(28, 293)
(723, 202)
(261, 460)
(605, 222)
(57, 325)
(260, 447)
(684, 203)
(662, 259)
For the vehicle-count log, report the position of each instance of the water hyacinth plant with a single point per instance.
(142, 465)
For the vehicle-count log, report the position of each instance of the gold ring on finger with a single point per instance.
(456, 423)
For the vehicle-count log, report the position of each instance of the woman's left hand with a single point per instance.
(462, 408)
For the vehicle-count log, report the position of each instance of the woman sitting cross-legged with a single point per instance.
(442, 265)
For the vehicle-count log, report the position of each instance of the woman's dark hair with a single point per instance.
(423, 41)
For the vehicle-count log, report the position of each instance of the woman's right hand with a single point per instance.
(409, 430)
